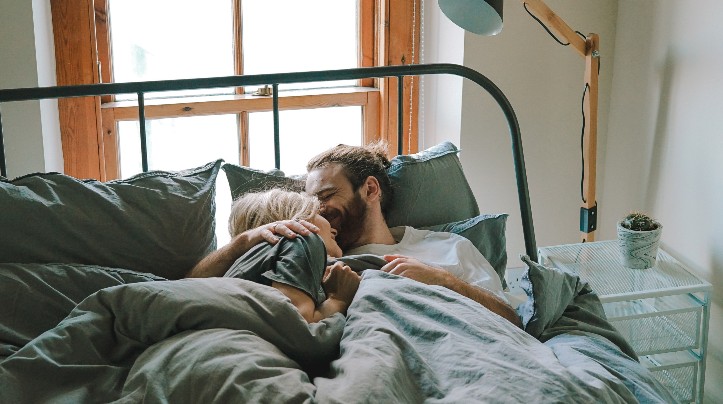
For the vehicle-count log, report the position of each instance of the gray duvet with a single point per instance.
(229, 340)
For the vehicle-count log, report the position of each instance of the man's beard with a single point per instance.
(352, 226)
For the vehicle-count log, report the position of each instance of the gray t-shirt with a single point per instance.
(299, 262)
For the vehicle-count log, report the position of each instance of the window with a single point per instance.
(133, 40)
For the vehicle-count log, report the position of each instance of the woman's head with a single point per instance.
(258, 208)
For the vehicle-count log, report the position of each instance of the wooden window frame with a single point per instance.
(389, 35)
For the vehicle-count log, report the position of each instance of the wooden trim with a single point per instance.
(102, 29)
(399, 23)
(111, 156)
(590, 108)
(371, 123)
(244, 152)
(242, 119)
(233, 104)
(76, 63)
(366, 38)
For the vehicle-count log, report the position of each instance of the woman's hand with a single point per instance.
(340, 282)
(273, 232)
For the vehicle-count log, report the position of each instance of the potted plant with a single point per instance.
(639, 237)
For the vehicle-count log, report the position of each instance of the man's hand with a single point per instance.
(219, 261)
(414, 269)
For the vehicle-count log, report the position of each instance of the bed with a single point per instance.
(94, 307)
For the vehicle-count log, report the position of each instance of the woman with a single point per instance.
(295, 264)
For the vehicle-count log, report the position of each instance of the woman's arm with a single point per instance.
(219, 261)
(340, 283)
(414, 269)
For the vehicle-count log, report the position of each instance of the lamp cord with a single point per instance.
(584, 93)
(582, 144)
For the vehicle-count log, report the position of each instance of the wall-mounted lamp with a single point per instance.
(484, 17)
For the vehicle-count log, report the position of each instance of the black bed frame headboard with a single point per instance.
(140, 88)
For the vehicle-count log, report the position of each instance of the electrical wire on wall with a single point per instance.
(584, 94)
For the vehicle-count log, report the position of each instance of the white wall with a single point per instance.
(45, 57)
(442, 42)
(666, 139)
(21, 52)
(544, 82)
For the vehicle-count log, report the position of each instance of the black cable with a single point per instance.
(582, 145)
(585, 91)
(544, 26)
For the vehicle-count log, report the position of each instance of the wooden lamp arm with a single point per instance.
(589, 49)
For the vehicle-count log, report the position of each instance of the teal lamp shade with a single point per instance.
(482, 17)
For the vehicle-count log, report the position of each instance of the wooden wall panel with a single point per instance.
(76, 63)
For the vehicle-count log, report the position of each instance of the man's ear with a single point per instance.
(371, 188)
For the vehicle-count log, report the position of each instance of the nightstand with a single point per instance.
(662, 311)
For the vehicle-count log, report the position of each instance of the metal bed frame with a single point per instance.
(141, 88)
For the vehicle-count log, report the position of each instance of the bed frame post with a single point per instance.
(142, 125)
(400, 107)
(277, 142)
(3, 168)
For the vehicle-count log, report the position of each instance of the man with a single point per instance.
(355, 192)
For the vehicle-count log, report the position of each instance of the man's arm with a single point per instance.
(219, 261)
(414, 269)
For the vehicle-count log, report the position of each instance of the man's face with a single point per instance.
(340, 204)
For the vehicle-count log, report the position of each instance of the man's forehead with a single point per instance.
(328, 178)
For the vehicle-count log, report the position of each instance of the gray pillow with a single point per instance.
(36, 297)
(487, 233)
(430, 188)
(242, 180)
(158, 222)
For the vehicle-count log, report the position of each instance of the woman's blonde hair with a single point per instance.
(258, 208)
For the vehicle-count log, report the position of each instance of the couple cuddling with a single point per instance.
(347, 196)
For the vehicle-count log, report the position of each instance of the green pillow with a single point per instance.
(243, 180)
(157, 222)
(430, 188)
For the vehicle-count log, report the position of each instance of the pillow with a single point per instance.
(242, 180)
(158, 222)
(430, 188)
(36, 297)
(487, 233)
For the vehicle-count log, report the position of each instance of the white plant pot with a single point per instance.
(639, 249)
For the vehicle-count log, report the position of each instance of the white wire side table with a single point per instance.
(662, 311)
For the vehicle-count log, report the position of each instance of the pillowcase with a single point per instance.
(242, 180)
(157, 222)
(487, 233)
(430, 188)
(36, 297)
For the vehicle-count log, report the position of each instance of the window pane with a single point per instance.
(290, 35)
(301, 136)
(179, 143)
(171, 39)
